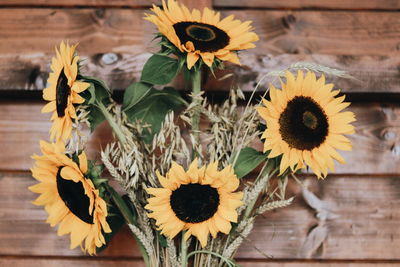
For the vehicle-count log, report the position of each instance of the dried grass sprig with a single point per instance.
(143, 239)
(274, 205)
(245, 229)
(107, 157)
(225, 122)
(251, 193)
(311, 67)
(172, 254)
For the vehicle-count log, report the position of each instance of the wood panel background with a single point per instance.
(357, 220)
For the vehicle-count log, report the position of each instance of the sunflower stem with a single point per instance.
(184, 257)
(129, 219)
(229, 262)
(196, 89)
(116, 128)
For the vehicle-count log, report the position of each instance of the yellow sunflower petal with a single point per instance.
(305, 123)
(176, 23)
(172, 209)
(192, 59)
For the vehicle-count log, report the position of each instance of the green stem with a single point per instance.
(227, 261)
(116, 128)
(121, 205)
(184, 257)
(196, 89)
(129, 218)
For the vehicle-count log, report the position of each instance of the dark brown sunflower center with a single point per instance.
(310, 120)
(205, 37)
(62, 92)
(303, 124)
(74, 197)
(194, 203)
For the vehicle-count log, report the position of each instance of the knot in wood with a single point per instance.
(109, 58)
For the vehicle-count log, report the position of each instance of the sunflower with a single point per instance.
(63, 92)
(202, 35)
(200, 200)
(69, 198)
(305, 124)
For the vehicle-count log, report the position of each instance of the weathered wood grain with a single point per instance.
(306, 4)
(23, 125)
(95, 262)
(97, 30)
(116, 42)
(293, 4)
(199, 4)
(373, 74)
(376, 145)
(361, 222)
(101, 3)
(85, 3)
(325, 32)
(62, 262)
(357, 217)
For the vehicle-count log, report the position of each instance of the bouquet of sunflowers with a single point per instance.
(192, 174)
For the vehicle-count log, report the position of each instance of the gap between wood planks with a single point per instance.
(35, 96)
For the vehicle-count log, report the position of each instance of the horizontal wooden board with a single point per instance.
(87, 262)
(74, 3)
(376, 147)
(86, 3)
(372, 74)
(293, 4)
(116, 42)
(361, 222)
(308, 4)
(325, 32)
(100, 3)
(22, 126)
(95, 262)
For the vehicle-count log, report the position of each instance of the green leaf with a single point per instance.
(134, 93)
(95, 117)
(160, 70)
(130, 206)
(248, 160)
(115, 222)
(153, 108)
(97, 82)
(98, 91)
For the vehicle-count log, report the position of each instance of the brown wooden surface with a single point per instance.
(22, 126)
(294, 4)
(374, 74)
(95, 262)
(376, 143)
(116, 42)
(360, 202)
(86, 3)
(362, 223)
(307, 4)
(101, 3)
(124, 30)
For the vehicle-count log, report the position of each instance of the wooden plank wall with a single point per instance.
(357, 223)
